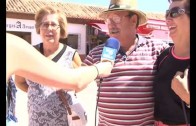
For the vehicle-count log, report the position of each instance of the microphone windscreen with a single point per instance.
(110, 50)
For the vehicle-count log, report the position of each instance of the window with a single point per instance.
(72, 40)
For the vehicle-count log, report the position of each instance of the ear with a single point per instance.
(134, 20)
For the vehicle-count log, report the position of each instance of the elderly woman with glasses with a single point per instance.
(44, 105)
(171, 85)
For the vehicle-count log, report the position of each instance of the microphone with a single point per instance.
(110, 50)
(112, 46)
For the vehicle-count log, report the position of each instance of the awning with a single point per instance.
(144, 30)
(99, 26)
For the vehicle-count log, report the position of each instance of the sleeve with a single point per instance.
(88, 60)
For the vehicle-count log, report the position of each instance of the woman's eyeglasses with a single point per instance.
(175, 12)
(45, 26)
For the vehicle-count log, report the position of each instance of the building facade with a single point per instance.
(85, 29)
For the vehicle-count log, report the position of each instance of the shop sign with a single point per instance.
(19, 25)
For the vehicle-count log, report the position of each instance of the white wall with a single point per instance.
(81, 30)
(20, 25)
(26, 26)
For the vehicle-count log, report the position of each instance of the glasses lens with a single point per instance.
(46, 26)
(115, 19)
(167, 13)
(174, 12)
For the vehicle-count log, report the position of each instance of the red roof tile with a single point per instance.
(71, 10)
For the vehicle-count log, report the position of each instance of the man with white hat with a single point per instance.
(126, 97)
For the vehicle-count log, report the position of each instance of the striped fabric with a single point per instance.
(126, 96)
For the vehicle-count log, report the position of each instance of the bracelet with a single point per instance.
(97, 71)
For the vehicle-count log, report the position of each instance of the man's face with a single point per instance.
(119, 23)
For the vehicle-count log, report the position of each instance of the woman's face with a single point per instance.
(177, 20)
(50, 28)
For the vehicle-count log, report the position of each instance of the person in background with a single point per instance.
(125, 97)
(45, 106)
(11, 119)
(170, 107)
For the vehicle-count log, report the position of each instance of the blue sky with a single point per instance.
(144, 5)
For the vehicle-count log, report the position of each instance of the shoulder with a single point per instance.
(99, 47)
(38, 46)
(75, 54)
(97, 50)
(69, 48)
(164, 55)
(154, 41)
(157, 44)
(166, 51)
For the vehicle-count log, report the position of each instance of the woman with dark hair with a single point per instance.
(172, 98)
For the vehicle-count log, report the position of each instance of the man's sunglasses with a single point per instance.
(174, 12)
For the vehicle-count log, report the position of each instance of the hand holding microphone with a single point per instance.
(108, 57)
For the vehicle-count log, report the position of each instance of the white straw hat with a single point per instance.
(125, 5)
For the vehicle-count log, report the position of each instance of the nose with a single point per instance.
(50, 27)
(112, 22)
(168, 19)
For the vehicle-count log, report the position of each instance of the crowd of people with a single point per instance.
(148, 84)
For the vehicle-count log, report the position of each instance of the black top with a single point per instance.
(168, 106)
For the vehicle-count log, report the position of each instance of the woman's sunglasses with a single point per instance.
(174, 12)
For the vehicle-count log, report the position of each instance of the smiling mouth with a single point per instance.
(171, 27)
(49, 36)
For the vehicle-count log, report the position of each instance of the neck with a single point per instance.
(182, 51)
(49, 49)
(182, 47)
(128, 43)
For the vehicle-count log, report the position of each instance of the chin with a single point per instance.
(173, 36)
(51, 41)
(115, 36)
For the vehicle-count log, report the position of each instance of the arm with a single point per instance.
(21, 83)
(76, 60)
(76, 63)
(24, 60)
(180, 86)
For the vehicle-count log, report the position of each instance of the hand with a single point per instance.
(104, 68)
(180, 86)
